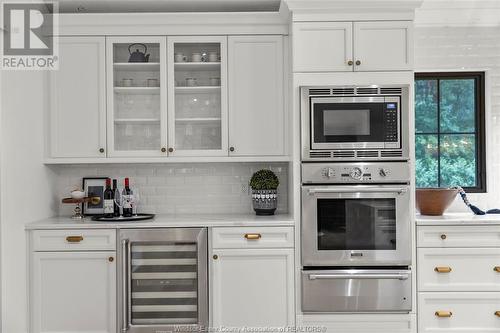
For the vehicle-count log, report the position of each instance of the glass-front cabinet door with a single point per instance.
(137, 96)
(197, 96)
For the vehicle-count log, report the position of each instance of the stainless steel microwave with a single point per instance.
(355, 123)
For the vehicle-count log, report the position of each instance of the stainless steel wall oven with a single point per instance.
(356, 237)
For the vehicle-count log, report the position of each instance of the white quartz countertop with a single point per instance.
(163, 221)
(459, 219)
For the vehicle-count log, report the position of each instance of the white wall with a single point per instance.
(26, 191)
(475, 49)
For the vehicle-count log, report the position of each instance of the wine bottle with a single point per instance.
(127, 199)
(108, 199)
(116, 208)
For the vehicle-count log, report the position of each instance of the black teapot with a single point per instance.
(138, 56)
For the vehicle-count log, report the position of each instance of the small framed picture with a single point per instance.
(94, 187)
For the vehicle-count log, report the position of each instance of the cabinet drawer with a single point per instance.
(74, 240)
(252, 237)
(468, 269)
(458, 236)
(468, 312)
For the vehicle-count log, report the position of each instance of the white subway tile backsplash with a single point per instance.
(205, 188)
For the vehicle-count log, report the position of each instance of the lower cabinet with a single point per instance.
(252, 287)
(359, 323)
(458, 279)
(73, 291)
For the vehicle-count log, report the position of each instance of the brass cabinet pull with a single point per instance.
(101, 150)
(496, 269)
(111, 259)
(170, 150)
(253, 236)
(74, 239)
(443, 314)
(164, 150)
(497, 313)
(443, 236)
(358, 62)
(231, 149)
(442, 269)
(215, 257)
(350, 62)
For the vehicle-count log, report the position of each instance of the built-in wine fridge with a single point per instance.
(163, 282)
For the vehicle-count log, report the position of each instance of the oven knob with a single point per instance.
(383, 172)
(356, 173)
(328, 172)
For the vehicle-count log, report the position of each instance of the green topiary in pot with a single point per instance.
(264, 184)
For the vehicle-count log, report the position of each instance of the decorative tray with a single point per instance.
(137, 217)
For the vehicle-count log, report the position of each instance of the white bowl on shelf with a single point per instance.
(77, 194)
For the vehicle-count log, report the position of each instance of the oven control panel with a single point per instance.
(369, 172)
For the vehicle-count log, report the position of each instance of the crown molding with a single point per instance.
(320, 10)
(464, 13)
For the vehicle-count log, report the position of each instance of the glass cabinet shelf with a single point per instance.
(137, 90)
(197, 66)
(137, 66)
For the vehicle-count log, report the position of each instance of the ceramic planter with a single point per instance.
(265, 202)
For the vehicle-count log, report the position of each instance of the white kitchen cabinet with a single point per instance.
(256, 112)
(77, 118)
(383, 46)
(136, 97)
(458, 278)
(73, 292)
(322, 46)
(471, 312)
(197, 96)
(352, 46)
(252, 287)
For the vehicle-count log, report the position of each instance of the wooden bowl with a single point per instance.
(434, 201)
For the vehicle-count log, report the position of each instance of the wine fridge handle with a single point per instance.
(124, 275)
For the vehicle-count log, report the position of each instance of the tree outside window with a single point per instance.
(449, 130)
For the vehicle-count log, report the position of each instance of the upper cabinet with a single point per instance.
(256, 112)
(159, 98)
(136, 98)
(353, 46)
(380, 46)
(78, 100)
(197, 96)
(322, 46)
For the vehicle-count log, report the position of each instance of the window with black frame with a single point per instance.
(449, 130)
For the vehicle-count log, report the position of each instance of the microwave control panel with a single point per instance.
(369, 172)
(391, 122)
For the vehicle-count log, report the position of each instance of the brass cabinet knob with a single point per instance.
(350, 62)
(358, 62)
(497, 313)
(442, 269)
(74, 239)
(215, 257)
(443, 314)
(496, 269)
(164, 150)
(170, 150)
(443, 236)
(231, 148)
(253, 236)
(101, 150)
(111, 259)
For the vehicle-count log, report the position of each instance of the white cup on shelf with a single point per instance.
(214, 81)
(191, 82)
(213, 57)
(180, 57)
(127, 82)
(196, 57)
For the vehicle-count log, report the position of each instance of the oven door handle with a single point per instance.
(339, 189)
(396, 276)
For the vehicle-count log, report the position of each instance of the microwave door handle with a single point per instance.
(358, 276)
(313, 191)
